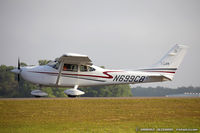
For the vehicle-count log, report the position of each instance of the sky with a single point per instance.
(118, 34)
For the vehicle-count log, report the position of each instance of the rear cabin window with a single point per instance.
(83, 68)
(70, 67)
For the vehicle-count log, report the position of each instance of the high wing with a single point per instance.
(72, 58)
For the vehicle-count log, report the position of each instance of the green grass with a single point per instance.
(97, 115)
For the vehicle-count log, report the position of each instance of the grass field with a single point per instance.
(97, 115)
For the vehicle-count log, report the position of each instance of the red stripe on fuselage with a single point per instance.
(106, 73)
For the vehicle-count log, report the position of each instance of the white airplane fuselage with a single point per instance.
(47, 76)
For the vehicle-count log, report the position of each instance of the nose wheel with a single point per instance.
(39, 93)
(72, 96)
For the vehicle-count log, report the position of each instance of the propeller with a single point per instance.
(18, 67)
(18, 71)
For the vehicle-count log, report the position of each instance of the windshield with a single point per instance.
(54, 64)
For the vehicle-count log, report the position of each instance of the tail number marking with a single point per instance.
(128, 78)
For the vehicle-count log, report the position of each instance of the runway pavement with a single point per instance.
(82, 98)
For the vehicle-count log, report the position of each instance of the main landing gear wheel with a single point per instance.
(74, 92)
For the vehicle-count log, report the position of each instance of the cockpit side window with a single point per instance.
(70, 67)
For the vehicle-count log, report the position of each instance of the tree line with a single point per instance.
(162, 91)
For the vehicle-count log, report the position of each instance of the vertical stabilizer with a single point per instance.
(173, 58)
(169, 63)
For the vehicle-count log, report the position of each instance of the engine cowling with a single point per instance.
(73, 92)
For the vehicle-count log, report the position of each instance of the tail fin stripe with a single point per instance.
(160, 69)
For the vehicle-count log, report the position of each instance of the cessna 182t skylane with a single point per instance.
(76, 70)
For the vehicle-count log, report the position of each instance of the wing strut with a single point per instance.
(59, 73)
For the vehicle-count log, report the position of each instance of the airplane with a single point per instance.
(76, 70)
